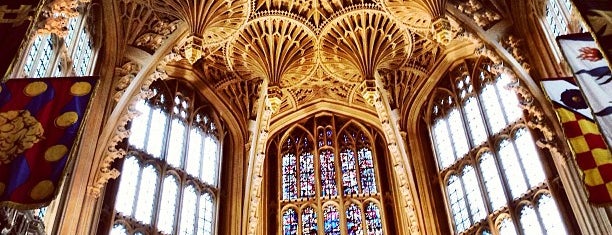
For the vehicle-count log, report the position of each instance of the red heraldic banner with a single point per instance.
(40, 121)
(15, 20)
(591, 152)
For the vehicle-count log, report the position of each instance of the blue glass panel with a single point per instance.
(290, 222)
(353, 220)
(331, 220)
(373, 219)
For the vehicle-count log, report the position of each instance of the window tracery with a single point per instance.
(339, 183)
(49, 55)
(169, 180)
(487, 160)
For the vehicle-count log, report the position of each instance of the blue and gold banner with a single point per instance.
(40, 121)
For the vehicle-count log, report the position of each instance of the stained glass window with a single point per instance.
(169, 183)
(331, 220)
(290, 222)
(487, 157)
(353, 220)
(311, 182)
(309, 221)
(373, 218)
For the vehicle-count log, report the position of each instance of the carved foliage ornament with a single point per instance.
(56, 14)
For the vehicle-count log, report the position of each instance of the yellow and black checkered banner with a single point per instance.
(40, 122)
(592, 75)
(589, 147)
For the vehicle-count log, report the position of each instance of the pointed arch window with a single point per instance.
(169, 178)
(488, 163)
(328, 169)
(49, 55)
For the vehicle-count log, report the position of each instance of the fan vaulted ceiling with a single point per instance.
(306, 51)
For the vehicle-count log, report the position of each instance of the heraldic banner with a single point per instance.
(40, 122)
(591, 152)
(592, 75)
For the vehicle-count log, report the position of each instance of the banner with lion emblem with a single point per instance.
(40, 121)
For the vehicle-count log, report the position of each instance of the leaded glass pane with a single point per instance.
(45, 58)
(289, 177)
(146, 194)
(331, 221)
(457, 204)
(124, 203)
(328, 173)
(139, 126)
(512, 169)
(549, 212)
(529, 157)
(474, 197)
(492, 108)
(478, 133)
(373, 219)
(205, 214)
(167, 209)
(506, 227)
(492, 181)
(31, 56)
(309, 221)
(72, 23)
(119, 229)
(156, 133)
(307, 175)
(194, 157)
(444, 149)
(211, 161)
(509, 99)
(349, 173)
(353, 220)
(529, 220)
(368, 177)
(188, 211)
(290, 222)
(460, 143)
(177, 143)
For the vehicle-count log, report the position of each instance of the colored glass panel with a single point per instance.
(290, 222)
(331, 220)
(289, 177)
(368, 177)
(328, 173)
(373, 219)
(353, 220)
(309, 221)
(349, 173)
(307, 175)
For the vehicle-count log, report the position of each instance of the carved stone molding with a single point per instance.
(124, 75)
(56, 14)
(254, 194)
(484, 17)
(390, 127)
(105, 172)
(514, 45)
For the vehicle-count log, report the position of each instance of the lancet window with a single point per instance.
(169, 181)
(329, 180)
(489, 167)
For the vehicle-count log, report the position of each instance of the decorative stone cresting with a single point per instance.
(56, 14)
(105, 172)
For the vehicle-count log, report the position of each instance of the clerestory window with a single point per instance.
(488, 165)
(169, 181)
